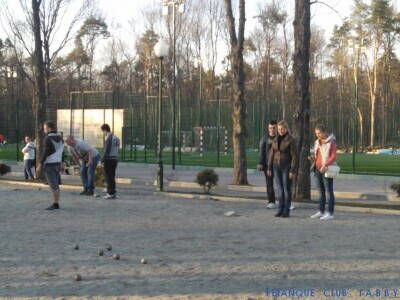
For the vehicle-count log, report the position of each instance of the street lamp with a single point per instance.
(161, 51)
(11, 75)
(180, 5)
(199, 64)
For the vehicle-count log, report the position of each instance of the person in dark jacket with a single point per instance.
(282, 164)
(110, 160)
(264, 149)
(51, 161)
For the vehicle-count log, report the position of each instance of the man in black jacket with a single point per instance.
(264, 150)
(51, 161)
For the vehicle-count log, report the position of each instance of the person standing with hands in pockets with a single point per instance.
(264, 151)
(282, 164)
(110, 160)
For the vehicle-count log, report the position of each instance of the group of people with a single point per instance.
(278, 160)
(86, 157)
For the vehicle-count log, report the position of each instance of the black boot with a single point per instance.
(53, 206)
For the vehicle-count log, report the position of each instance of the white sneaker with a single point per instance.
(108, 197)
(292, 207)
(317, 215)
(271, 205)
(326, 217)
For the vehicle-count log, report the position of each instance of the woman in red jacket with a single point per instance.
(324, 155)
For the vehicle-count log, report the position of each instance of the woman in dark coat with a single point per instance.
(282, 161)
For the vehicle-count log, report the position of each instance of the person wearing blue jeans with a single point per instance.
(282, 163)
(87, 157)
(29, 158)
(324, 156)
(325, 186)
(88, 174)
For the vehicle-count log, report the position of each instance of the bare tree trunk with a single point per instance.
(302, 35)
(238, 87)
(39, 98)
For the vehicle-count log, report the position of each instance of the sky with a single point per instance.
(119, 13)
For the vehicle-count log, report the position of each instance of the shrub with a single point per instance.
(207, 179)
(396, 187)
(99, 175)
(4, 169)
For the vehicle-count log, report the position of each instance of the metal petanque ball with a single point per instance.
(143, 261)
(109, 247)
(101, 252)
(78, 277)
(116, 256)
(76, 247)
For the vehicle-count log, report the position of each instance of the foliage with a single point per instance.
(396, 187)
(99, 175)
(207, 179)
(4, 169)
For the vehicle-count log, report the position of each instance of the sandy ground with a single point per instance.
(193, 250)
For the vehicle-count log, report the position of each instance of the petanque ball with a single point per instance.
(109, 248)
(116, 256)
(76, 247)
(78, 277)
(143, 261)
(101, 252)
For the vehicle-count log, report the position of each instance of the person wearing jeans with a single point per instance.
(29, 158)
(282, 163)
(324, 156)
(87, 157)
(110, 160)
(264, 150)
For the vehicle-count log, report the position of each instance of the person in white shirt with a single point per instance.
(87, 157)
(29, 158)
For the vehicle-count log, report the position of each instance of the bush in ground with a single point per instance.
(396, 187)
(207, 179)
(4, 169)
(99, 175)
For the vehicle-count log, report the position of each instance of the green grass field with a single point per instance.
(372, 164)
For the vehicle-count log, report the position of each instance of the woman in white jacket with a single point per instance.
(29, 158)
(325, 156)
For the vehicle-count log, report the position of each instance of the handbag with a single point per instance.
(333, 170)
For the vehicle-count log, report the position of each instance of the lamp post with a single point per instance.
(198, 64)
(11, 75)
(161, 51)
(180, 5)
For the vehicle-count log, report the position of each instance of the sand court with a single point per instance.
(192, 250)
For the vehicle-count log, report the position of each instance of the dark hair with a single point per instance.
(320, 127)
(272, 122)
(50, 125)
(105, 127)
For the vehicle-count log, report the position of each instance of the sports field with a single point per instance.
(365, 163)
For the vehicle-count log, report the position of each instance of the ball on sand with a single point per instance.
(108, 247)
(101, 252)
(78, 277)
(76, 247)
(143, 261)
(116, 256)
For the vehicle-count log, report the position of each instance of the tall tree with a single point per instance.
(301, 63)
(238, 91)
(39, 100)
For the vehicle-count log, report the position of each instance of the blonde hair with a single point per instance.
(284, 124)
